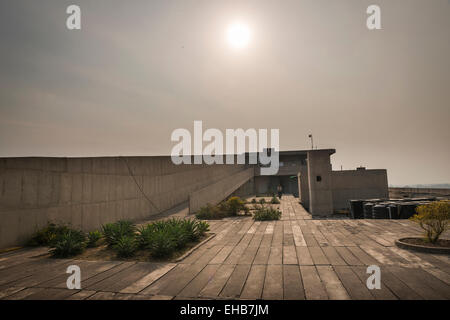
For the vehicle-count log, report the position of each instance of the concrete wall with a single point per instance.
(89, 192)
(303, 186)
(218, 191)
(319, 181)
(358, 184)
(418, 192)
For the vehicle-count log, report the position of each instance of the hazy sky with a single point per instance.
(137, 70)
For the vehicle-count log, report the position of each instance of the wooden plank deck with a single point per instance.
(294, 258)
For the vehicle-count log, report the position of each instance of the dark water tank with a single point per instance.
(368, 210)
(393, 211)
(380, 211)
(407, 209)
(356, 209)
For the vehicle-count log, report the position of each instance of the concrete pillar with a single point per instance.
(319, 181)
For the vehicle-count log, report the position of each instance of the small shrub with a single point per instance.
(263, 214)
(209, 212)
(68, 243)
(125, 246)
(162, 238)
(262, 201)
(202, 227)
(234, 205)
(46, 235)
(145, 234)
(274, 200)
(161, 245)
(93, 238)
(253, 200)
(114, 231)
(434, 218)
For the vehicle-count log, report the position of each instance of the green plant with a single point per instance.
(253, 200)
(68, 243)
(210, 212)
(262, 214)
(233, 205)
(162, 238)
(46, 235)
(434, 218)
(274, 200)
(93, 238)
(262, 201)
(125, 246)
(202, 227)
(161, 244)
(189, 228)
(114, 231)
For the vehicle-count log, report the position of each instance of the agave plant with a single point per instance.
(93, 238)
(114, 231)
(68, 243)
(125, 246)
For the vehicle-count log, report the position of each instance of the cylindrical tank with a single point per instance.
(368, 210)
(356, 209)
(380, 211)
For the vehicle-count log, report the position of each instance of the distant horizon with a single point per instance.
(135, 72)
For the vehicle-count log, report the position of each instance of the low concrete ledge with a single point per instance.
(401, 243)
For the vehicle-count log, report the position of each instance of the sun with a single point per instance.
(238, 35)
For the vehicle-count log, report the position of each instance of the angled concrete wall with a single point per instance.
(216, 192)
(89, 192)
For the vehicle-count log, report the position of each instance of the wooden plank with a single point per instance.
(236, 282)
(102, 296)
(173, 288)
(171, 276)
(254, 285)
(235, 255)
(139, 285)
(314, 288)
(276, 255)
(262, 256)
(222, 255)
(333, 285)
(218, 281)
(304, 257)
(413, 278)
(81, 295)
(122, 280)
(52, 294)
(362, 256)
(333, 257)
(348, 257)
(193, 289)
(248, 255)
(273, 284)
(397, 287)
(102, 278)
(354, 286)
(289, 255)
(292, 283)
(318, 256)
(7, 291)
(23, 294)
